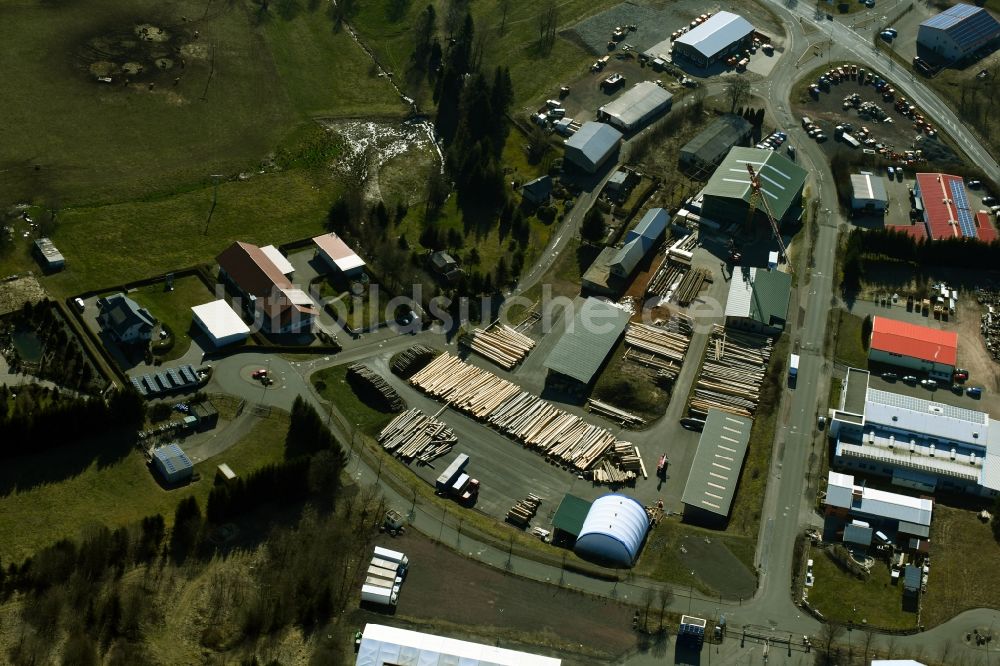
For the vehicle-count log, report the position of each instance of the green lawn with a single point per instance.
(835, 386)
(631, 387)
(73, 491)
(331, 384)
(114, 244)
(850, 350)
(173, 308)
(842, 597)
(962, 549)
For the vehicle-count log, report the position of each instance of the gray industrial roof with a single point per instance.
(717, 33)
(968, 25)
(635, 104)
(49, 251)
(721, 134)
(869, 187)
(781, 180)
(760, 295)
(173, 458)
(594, 140)
(651, 226)
(715, 471)
(856, 385)
(629, 256)
(588, 340)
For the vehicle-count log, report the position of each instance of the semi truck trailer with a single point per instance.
(400, 560)
(379, 595)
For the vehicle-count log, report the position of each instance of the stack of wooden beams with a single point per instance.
(501, 344)
(369, 381)
(691, 285)
(415, 436)
(521, 513)
(613, 413)
(518, 414)
(666, 278)
(732, 373)
(409, 361)
(605, 472)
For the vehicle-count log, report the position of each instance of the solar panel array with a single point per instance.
(924, 406)
(951, 16)
(171, 379)
(965, 217)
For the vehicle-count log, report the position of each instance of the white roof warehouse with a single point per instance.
(636, 107)
(717, 37)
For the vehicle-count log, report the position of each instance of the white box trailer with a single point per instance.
(385, 564)
(388, 574)
(392, 556)
(379, 595)
(381, 582)
(793, 366)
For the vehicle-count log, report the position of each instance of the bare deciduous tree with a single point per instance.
(737, 92)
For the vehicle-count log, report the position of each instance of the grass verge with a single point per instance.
(850, 350)
(842, 597)
(67, 489)
(331, 384)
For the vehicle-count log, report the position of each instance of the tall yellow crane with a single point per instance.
(757, 199)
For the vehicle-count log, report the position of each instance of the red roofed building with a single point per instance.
(984, 228)
(267, 294)
(914, 347)
(946, 206)
(917, 231)
(338, 255)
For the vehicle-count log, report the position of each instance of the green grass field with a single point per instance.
(83, 492)
(842, 597)
(173, 308)
(331, 384)
(849, 349)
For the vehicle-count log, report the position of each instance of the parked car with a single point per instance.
(890, 376)
(974, 392)
(929, 384)
(989, 201)
(891, 171)
(259, 373)
(910, 379)
(975, 184)
(80, 305)
(821, 422)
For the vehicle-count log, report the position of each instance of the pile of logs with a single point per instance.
(732, 373)
(501, 344)
(605, 472)
(691, 285)
(661, 342)
(521, 513)
(371, 386)
(524, 417)
(628, 458)
(415, 436)
(613, 413)
(666, 278)
(409, 361)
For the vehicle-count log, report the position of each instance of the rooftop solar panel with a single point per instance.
(187, 375)
(951, 16)
(138, 386)
(965, 220)
(150, 383)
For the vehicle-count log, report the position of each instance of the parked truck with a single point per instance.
(401, 561)
(391, 575)
(454, 482)
(379, 595)
(793, 368)
(375, 581)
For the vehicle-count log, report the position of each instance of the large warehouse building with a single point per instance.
(723, 34)
(220, 322)
(868, 193)
(758, 300)
(917, 443)
(636, 107)
(715, 470)
(592, 145)
(727, 193)
(587, 341)
(871, 510)
(707, 150)
(947, 212)
(382, 645)
(959, 32)
(613, 531)
(914, 347)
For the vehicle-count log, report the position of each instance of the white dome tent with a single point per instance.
(613, 531)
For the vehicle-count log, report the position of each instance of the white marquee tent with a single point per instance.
(382, 645)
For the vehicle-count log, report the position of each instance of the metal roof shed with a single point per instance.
(759, 298)
(220, 322)
(710, 146)
(172, 463)
(868, 191)
(637, 106)
(592, 145)
(587, 341)
(727, 193)
(382, 645)
(715, 470)
(716, 35)
(570, 515)
(613, 531)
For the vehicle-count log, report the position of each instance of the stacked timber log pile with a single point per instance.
(409, 361)
(373, 388)
(666, 278)
(613, 413)
(501, 344)
(526, 418)
(521, 513)
(415, 436)
(606, 472)
(732, 373)
(660, 347)
(691, 285)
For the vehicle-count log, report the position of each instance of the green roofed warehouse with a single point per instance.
(588, 339)
(727, 194)
(715, 470)
(758, 300)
